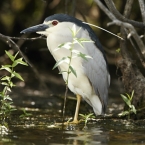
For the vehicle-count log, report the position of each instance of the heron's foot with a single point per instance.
(72, 122)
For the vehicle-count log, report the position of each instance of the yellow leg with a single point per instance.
(77, 109)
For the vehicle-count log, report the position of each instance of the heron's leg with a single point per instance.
(77, 109)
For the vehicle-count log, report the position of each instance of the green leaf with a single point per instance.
(4, 83)
(124, 113)
(8, 98)
(118, 50)
(8, 89)
(61, 45)
(82, 115)
(6, 68)
(18, 76)
(8, 65)
(16, 54)
(84, 56)
(10, 56)
(5, 78)
(74, 30)
(78, 42)
(66, 45)
(132, 94)
(72, 70)
(83, 40)
(126, 100)
(133, 109)
(64, 59)
(11, 84)
(19, 61)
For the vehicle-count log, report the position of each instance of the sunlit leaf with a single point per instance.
(123, 113)
(8, 65)
(16, 54)
(8, 98)
(83, 40)
(132, 94)
(18, 76)
(10, 56)
(11, 84)
(74, 30)
(5, 78)
(133, 109)
(64, 59)
(75, 51)
(126, 100)
(78, 42)
(4, 83)
(8, 89)
(19, 61)
(6, 68)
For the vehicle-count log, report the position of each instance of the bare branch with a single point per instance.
(113, 9)
(128, 7)
(132, 33)
(142, 8)
(106, 11)
(31, 39)
(131, 29)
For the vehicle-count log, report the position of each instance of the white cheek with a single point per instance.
(42, 33)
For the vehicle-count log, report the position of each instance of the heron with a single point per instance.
(93, 78)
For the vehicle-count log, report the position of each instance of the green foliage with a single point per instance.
(25, 114)
(128, 100)
(85, 118)
(5, 100)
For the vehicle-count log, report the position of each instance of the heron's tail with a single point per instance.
(96, 104)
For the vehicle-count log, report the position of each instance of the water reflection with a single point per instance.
(88, 136)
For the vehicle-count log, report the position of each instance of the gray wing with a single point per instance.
(97, 72)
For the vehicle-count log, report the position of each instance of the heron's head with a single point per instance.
(57, 22)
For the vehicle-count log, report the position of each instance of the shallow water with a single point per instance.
(38, 130)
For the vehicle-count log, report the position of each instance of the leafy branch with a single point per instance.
(5, 100)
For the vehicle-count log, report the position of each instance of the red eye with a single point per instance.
(54, 23)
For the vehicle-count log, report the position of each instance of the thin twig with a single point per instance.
(31, 39)
(104, 30)
(142, 8)
(6, 38)
(73, 7)
(66, 6)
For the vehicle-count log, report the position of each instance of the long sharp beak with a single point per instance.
(37, 28)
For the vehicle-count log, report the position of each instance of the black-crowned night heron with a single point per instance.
(93, 78)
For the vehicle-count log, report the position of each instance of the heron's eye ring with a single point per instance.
(54, 23)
